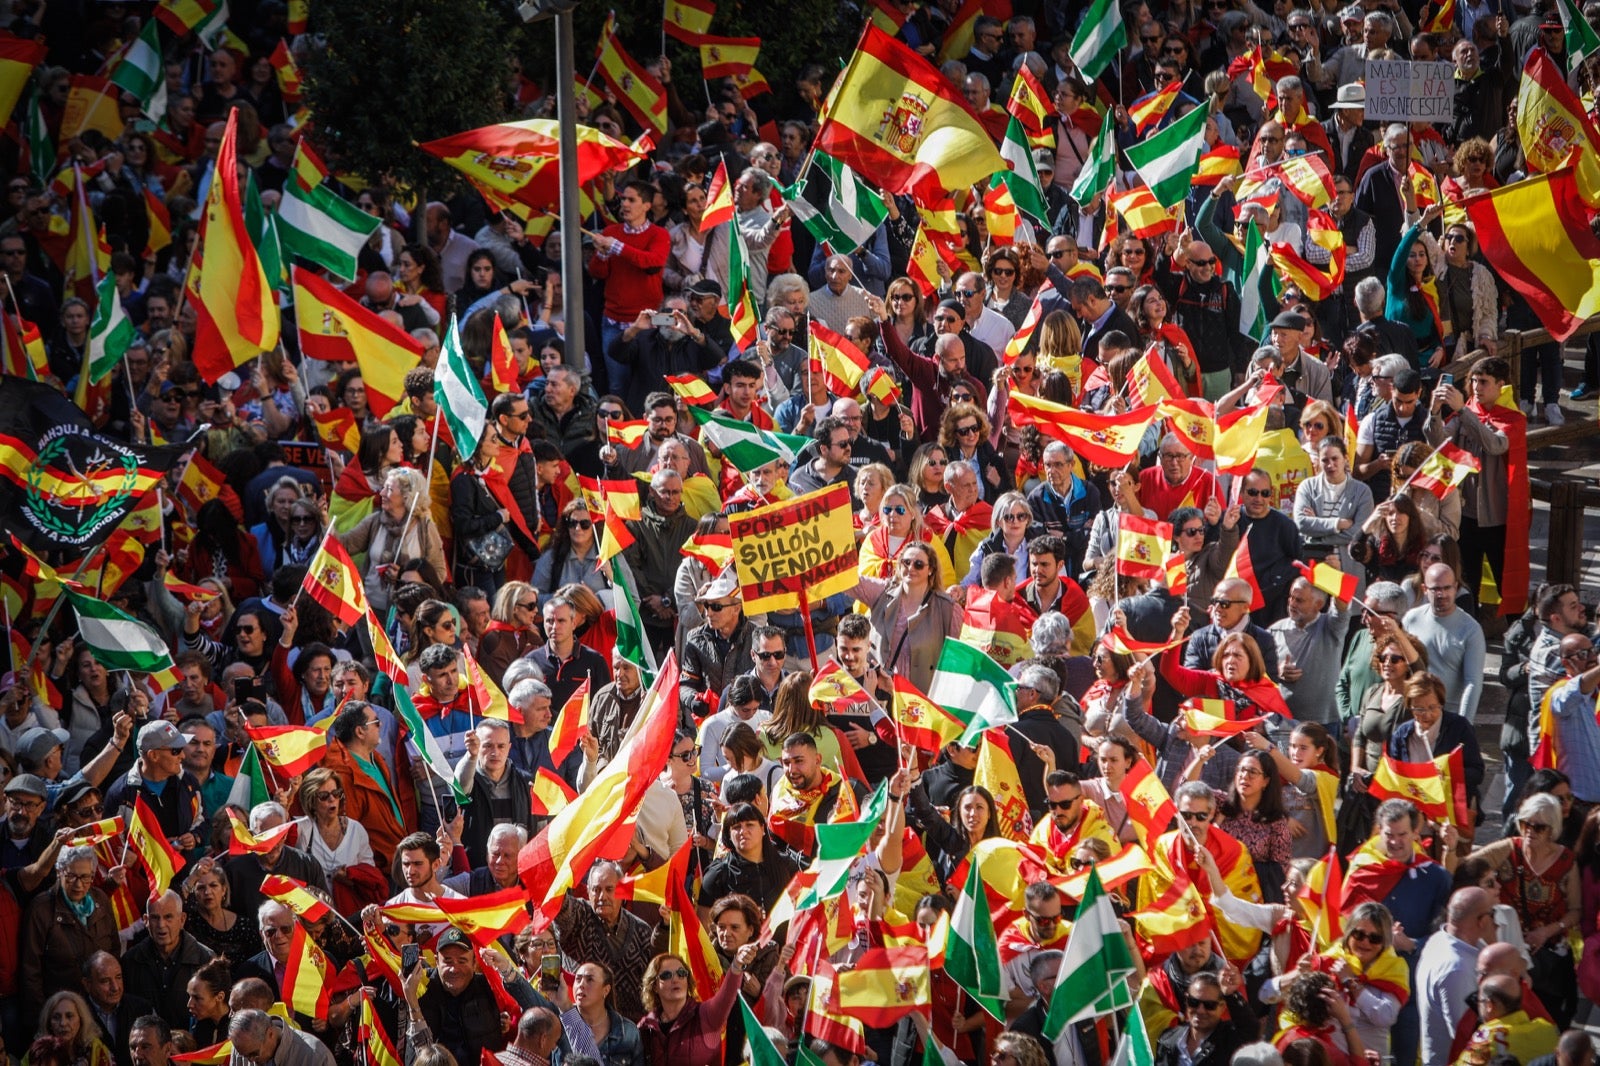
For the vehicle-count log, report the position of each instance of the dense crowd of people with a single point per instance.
(1446, 939)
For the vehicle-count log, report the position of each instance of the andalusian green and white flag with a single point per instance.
(1257, 267)
(118, 641)
(838, 847)
(1095, 177)
(457, 392)
(319, 225)
(746, 446)
(974, 688)
(839, 209)
(1135, 1049)
(110, 333)
(1582, 41)
(1167, 160)
(1101, 35)
(41, 150)
(426, 743)
(631, 641)
(1027, 191)
(142, 72)
(971, 955)
(1094, 970)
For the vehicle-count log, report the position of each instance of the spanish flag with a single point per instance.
(201, 482)
(503, 371)
(1142, 546)
(635, 88)
(599, 823)
(626, 434)
(999, 628)
(885, 985)
(383, 652)
(484, 919)
(719, 199)
(834, 689)
(839, 360)
(307, 977)
(1330, 579)
(1104, 440)
(1320, 896)
(1446, 469)
(1453, 772)
(923, 264)
(1553, 126)
(1143, 213)
(334, 327)
(692, 389)
(1151, 380)
(243, 842)
(292, 894)
(714, 551)
(1241, 567)
(1216, 718)
(727, 57)
(240, 308)
(379, 1049)
(1418, 782)
(997, 771)
(1175, 919)
(1029, 104)
(1194, 421)
(548, 794)
(1151, 109)
(293, 749)
(1316, 283)
(149, 841)
(215, 1055)
(686, 20)
(337, 429)
(1127, 864)
(921, 722)
(1148, 801)
(160, 224)
(686, 936)
(1122, 642)
(333, 581)
(1176, 565)
(86, 836)
(1216, 164)
(571, 724)
(894, 116)
(1307, 177)
(18, 57)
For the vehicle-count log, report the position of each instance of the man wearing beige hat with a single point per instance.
(1349, 138)
(717, 650)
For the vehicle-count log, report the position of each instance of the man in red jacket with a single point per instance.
(628, 257)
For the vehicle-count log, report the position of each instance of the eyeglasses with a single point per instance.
(779, 332)
(78, 879)
(681, 973)
(1196, 816)
(967, 431)
(914, 564)
(896, 509)
(1220, 602)
(1361, 936)
(1173, 457)
(967, 294)
(1203, 1004)
(1259, 494)
(580, 523)
(771, 656)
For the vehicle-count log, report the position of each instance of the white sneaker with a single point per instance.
(1553, 415)
(1527, 408)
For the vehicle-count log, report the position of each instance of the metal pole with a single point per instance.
(571, 219)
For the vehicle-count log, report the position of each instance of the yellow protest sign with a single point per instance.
(801, 545)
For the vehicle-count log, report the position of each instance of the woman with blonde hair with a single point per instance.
(1061, 347)
(66, 1018)
(872, 482)
(793, 712)
(926, 476)
(911, 614)
(964, 434)
(513, 628)
(336, 841)
(900, 525)
(396, 530)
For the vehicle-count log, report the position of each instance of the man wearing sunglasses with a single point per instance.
(1206, 854)
(715, 650)
(1206, 307)
(933, 369)
(1274, 545)
(1073, 818)
(831, 466)
(1229, 611)
(1216, 1022)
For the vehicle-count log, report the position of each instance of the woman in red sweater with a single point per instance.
(679, 1030)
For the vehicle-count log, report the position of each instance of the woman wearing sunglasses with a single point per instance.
(574, 555)
(899, 526)
(1374, 980)
(1433, 731)
(911, 614)
(1539, 878)
(678, 1028)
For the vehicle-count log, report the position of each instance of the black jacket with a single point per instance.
(1348, 163)
(1238, 1029)
(116, 1035)
(1454, 731)
(165, 980)
(654, 358)
(479, 818)
(1378, 197)
(1040, 725)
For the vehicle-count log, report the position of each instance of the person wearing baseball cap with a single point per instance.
(158, 777)
(39, 751)
(27, 850)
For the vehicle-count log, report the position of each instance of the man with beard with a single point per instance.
(661, 413)
(1074, 818)
(933, 377)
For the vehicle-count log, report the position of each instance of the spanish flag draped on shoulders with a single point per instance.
(1373, 875)
(960, 534)
(880, 553)
(1173, 853)
(1058, 844)
(796, 811)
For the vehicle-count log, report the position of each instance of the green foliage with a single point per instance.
(404, 71)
